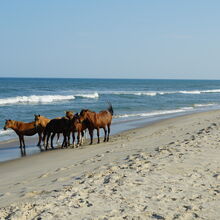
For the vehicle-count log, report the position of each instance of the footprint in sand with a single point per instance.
(44, 175)
(5, 194)
(60, 179)
(61, 169)
(31, 194)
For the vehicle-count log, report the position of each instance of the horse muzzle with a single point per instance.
(5, 128)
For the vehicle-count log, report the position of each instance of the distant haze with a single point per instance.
(110, 39)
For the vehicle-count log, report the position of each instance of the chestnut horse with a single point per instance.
(78, 127)
(94, 120)
(23, 129)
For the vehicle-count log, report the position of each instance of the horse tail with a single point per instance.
(110, 108)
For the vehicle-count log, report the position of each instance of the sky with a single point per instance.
(170, 39)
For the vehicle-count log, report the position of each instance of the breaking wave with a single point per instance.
(43, 99)
(33, 99)
(167, 112)
(204, 105)
(94, 95)
(6, 132)
(155, 113)
(154, 93)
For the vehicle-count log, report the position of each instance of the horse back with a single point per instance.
(103, 118)
(58, 125)
(28, 129)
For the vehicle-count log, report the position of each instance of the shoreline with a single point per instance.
(121, 127)
(168, 169)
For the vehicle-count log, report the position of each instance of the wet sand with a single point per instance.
(166, 170)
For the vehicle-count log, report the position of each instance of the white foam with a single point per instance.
(154, 93)
(204, 105)
(33, 99)
(94, 95)
(6, 132)
(190, 92)
(155, 113)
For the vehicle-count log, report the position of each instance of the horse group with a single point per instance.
(69, 124)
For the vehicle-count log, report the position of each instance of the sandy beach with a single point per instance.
(166, 170)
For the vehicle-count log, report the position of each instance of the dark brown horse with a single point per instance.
(94, 120)
(41, 122)
(23, 129)
(56, 126)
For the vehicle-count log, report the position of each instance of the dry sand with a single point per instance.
(167, 170)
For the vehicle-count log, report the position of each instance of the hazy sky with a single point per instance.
(110, 39)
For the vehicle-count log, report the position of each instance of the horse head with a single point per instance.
(37, 121)
(83, 115)
(69, 114)
(8, 124)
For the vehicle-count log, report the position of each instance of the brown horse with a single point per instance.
(96, 121)
(56, 126)
(78, 127)
(23, 129)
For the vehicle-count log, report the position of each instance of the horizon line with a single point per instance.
(35, 77)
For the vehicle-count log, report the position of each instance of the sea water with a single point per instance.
(134, 100)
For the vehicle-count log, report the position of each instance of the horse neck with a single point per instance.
(91, 116)
(44, 121)
(15, 125)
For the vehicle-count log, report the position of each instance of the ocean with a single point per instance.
(135, 101)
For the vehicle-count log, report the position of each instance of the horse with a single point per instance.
(96, 121)
(56, 126)
(77, 127)
(41, 121)
(23, 129)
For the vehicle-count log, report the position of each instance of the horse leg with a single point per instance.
(64, 140)
(21, 149)
(82, 137)
(44, 138)
(73, 137)
(79, 138)
(105, 131)
(68, 139)
(39, 138)
(91, 136)
(48, 136)
(98, 136)
(20, 140)
(51, 140)
(108, 132)
(65, 135)
(58, 136)
(24, 150)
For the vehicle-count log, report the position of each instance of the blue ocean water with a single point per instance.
(132, 100)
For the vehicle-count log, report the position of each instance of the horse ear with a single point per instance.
(38, 115)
